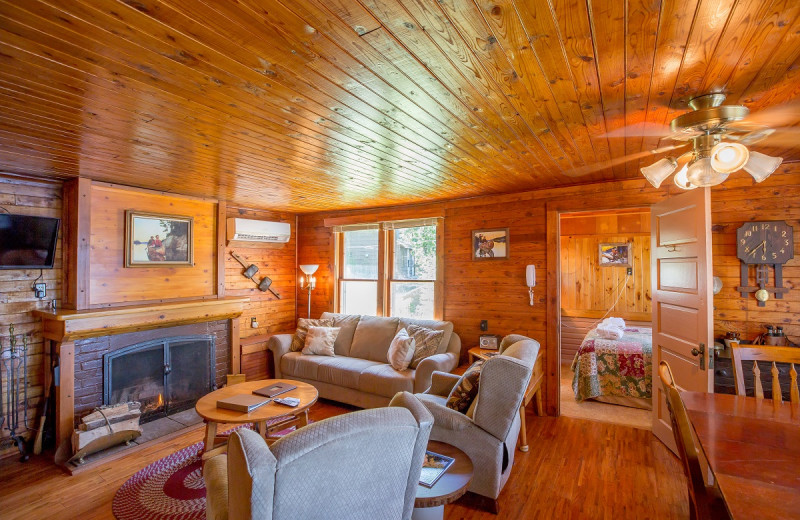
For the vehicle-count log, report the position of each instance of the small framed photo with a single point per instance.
(153, 240)
(615, 254)
(490, 244)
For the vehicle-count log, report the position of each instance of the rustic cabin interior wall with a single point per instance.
(17, 300)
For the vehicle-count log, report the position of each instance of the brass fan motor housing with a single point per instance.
(709, 116)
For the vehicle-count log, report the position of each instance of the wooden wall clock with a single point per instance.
(763, 244)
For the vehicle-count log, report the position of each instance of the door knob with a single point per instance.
(701, 353)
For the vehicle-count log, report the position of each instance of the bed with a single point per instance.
(615, 371)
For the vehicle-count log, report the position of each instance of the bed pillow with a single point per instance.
(466, 390)
(426, 342)
(299, 340)
(401, 351)
(320, 340)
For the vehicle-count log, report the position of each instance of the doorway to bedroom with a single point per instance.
(605, 273)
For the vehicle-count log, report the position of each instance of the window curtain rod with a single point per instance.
(392, 224)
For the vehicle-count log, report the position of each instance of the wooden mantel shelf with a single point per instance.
(69, 325)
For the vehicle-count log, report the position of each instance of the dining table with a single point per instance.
(753, 447)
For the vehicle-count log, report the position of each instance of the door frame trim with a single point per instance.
(554, 209)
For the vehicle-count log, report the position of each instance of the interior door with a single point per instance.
(682, 299)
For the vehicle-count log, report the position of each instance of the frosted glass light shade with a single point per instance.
(681, 181)
(761, 166)
(659, 170)
(309, 269)
(700, 173)
(729, 157)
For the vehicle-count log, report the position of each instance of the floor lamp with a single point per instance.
(310, 283)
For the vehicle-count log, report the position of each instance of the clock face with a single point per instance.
(765, 242)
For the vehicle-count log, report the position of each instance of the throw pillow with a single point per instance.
(426, 342)
(466, 390)
(320, 340)
(299, 340)
(401, 351)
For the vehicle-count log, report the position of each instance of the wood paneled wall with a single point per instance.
(589, 290)
(16, 296)
(112, 283)
(495, 290)
(279, 262)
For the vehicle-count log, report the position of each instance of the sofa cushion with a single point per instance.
(445, 326)
(299, 339)
(347, 323)
(344, 371)
(372, 338)
(401, 351)
(383, 380)
(426, 343)
(295, 364)
(319, 341)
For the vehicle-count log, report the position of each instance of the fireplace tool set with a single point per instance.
(14, 374)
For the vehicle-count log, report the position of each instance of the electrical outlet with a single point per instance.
(630, 271)
(40, 290)
(253, 323)
(484, 325)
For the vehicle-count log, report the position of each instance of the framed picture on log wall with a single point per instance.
(490, 244)
(153, 240)
(615, 254)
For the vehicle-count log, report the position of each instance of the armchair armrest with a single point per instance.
(438, 362)
(442, 383)
(447, 418)
(279, 345)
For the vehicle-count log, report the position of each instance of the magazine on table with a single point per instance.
(433, 467)
(274, 389)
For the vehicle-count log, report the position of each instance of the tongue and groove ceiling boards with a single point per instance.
(309, 105)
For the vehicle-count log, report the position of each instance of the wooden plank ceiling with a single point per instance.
(307, 105)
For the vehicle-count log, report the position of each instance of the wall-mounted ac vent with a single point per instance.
(245, 230)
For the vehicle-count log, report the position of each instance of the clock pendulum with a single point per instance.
(763, 244)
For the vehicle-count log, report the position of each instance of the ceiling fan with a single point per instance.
(719, 136)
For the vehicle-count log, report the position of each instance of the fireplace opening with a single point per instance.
(166, 375)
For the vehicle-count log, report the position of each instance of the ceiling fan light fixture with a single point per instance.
(681, 181)
(659, 170)
(760, 166)
(729, 157)
(701, 174)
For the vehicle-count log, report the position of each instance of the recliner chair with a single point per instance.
(360, 465)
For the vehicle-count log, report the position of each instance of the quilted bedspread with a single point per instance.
(605, 367)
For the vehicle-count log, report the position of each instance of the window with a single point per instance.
(390, 269)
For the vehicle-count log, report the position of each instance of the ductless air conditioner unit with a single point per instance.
(245, 230)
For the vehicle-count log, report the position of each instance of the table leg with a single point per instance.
(539, 408)
(303, 418)
(261, 428)
(428, 513)
(211, 436)
(523, 431)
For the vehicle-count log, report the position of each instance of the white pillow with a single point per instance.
(401, 351)
(320, 340)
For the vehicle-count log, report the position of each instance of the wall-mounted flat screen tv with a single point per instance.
(27, 242)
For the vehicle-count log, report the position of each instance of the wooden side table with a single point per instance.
(430, 501)
(534, 390)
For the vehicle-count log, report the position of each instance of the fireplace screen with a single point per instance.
(166, 375)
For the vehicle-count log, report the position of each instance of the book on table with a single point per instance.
(433, 467)
(274, 389)
(244, 403)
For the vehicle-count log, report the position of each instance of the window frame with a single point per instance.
(386, 269)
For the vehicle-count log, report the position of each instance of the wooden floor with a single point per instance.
(575, 469)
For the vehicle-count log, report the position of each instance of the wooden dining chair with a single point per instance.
(705, 502)
(764, 353)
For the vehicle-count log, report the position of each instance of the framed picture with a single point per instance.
(489, 244)
(153, 240)
(615, 254)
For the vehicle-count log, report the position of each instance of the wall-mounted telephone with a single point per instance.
(530, 280)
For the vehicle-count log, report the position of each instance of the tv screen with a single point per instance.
(27, 242)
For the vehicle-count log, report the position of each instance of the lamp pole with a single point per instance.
(310, 283)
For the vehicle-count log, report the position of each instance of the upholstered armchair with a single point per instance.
(361, 465)
(490, 435)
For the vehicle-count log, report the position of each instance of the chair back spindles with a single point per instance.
(775, 355)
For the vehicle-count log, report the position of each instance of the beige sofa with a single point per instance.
(359, 374)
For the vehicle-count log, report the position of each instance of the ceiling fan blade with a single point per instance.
(596, 167)
(783, 115)
(642, 129)
(787, 137)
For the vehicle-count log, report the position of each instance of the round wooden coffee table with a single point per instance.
(206, 408)
(451, 486)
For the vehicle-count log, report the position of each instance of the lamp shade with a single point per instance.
(681, 181)
(309, 269)
(659, 170)
(729, 157)
(761, 166)
(700, 173)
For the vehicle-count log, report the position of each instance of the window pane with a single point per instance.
(412, 300)
(415, 253)
(361, 254)
(359, 298)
